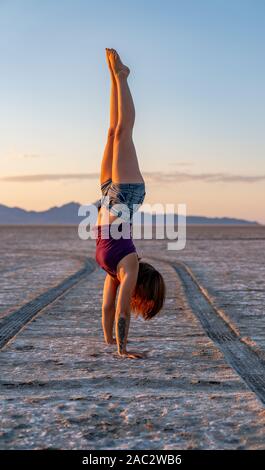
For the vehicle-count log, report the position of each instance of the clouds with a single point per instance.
(152, 177)
(49, 177)
(182, 176)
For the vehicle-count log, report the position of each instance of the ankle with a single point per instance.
(121, 75)
(113, 79)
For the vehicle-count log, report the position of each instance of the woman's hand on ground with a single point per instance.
(132, 355)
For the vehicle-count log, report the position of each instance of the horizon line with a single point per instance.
(140, 211)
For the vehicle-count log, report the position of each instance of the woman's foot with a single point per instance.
(108, 61)
(116, 64)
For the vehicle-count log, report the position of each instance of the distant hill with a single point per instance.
(68, 215)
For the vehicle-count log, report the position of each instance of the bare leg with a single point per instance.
(106, 165)
(125, 167)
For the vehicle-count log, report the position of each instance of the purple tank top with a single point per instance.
(109, 251)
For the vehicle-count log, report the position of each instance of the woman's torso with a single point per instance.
(110, 249)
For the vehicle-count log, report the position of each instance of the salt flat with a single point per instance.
(62, 387)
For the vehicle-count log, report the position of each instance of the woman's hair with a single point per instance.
(149, 293)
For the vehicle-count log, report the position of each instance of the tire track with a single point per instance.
(239, 355)
(14, 322)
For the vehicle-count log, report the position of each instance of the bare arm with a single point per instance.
(123, 313)
(123, 309)
(108, 308)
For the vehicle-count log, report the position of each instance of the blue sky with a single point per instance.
(197, 77)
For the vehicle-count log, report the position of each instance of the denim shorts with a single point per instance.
(128, 197)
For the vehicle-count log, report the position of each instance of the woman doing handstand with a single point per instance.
(138, 286)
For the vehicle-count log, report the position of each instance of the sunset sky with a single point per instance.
(197, 78)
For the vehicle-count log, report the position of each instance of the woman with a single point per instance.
(141, 287)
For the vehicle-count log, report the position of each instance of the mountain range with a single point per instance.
(68, 215)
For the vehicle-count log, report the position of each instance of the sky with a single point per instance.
(197, 79)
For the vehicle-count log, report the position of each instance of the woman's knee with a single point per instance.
(111, 132)
(123, 131)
